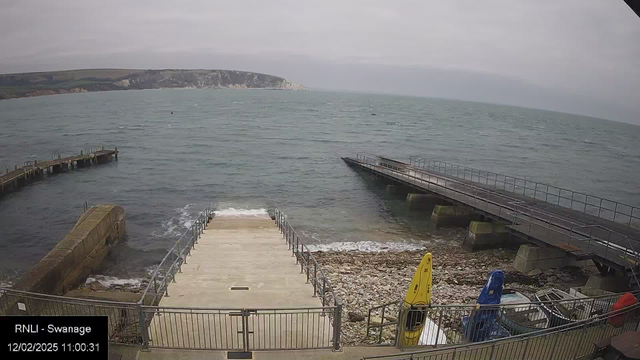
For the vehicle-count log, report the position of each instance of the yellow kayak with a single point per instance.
(418, 294)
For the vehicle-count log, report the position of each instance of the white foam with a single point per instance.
(176, 225)
(367, 246)
(108, 281)
(241, 212)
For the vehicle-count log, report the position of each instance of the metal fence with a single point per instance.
(570, 341)
(164, 273)
(191, 328)
(241, 329)
(529, 220)
(590, 204)
(124, 318)
(308, 264)
(463, 323)
(146, 325)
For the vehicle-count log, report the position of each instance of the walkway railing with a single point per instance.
(190, 328)
(590, 204)
(315, 275)
(566, 342)
(613, 246)
(158, 285)
(461, 323)
(149, 326)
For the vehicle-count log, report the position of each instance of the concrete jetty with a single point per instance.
(240, 262)
(12, 180)
(247, 293)
(563, 222)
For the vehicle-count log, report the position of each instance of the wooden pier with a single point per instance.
(34, 170)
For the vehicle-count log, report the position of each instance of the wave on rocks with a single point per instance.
(111, 281)
(367, 246)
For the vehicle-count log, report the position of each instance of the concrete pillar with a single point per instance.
(484, 235)
(422, 202)
(397, 190)
(444, 215)
(533, 257)
(609, 282)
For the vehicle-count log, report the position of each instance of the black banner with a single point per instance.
(60, 337)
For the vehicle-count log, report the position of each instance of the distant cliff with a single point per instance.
(62, 82)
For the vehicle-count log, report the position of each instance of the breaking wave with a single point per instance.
(241, 212)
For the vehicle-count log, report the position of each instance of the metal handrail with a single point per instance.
(176, 256)
(477, 195)
(605, 297)
(299, 249)
(583, 324)
(493, 179)
(307, 261)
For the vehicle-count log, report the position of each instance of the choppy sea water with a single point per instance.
(249, 150)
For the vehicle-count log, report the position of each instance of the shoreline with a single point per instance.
(363, 280)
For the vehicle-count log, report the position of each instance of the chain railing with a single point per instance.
(164, 273)
(533, 222)
(315, 275)
(590, 204)
(565, 342)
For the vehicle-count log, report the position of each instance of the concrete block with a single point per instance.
(391, 189)
(612, 282)
(531, 257)
(445, 215)
(484, 235)
(422, 202)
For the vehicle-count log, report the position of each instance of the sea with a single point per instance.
(247, 151)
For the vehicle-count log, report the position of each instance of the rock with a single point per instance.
(391, 318)
(375, 320)
(534, 272)
(96, 286)
(551, 279)
(355, 317)
(549, 271)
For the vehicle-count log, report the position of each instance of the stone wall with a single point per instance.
(78, 253)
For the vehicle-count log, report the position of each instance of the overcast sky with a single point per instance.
(578, 56)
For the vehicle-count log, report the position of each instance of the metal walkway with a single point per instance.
(575, 223)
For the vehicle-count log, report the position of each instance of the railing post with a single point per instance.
(324, 287)
(599, 206)
(438, 329)
(142, 324)
(526, 347)
(584, 329)
(315, 279)
(307, 263)
(337, 325)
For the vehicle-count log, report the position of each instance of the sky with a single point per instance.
(577, 56)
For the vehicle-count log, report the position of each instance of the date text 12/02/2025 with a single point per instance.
(53, 347)
(40, 337)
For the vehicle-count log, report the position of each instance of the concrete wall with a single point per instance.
(79, 253)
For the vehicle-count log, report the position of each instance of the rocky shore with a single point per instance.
(366, 279)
